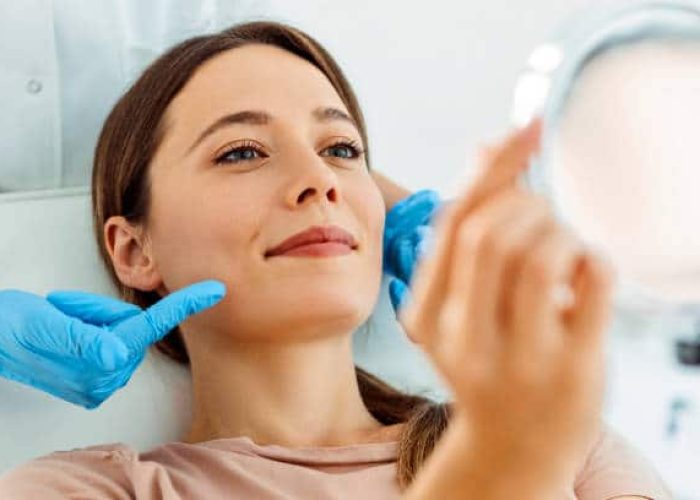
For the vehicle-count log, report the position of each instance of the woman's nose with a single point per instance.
(312, 178)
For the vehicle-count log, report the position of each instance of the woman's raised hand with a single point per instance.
(82, 347)
(525, 372)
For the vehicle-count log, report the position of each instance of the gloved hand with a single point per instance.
(82, 347)
(408, 236)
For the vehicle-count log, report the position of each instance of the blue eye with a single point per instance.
(246, 152)
(346, 150)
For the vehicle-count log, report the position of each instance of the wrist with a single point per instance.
(462, 467)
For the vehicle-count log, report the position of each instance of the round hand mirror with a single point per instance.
(619, 93)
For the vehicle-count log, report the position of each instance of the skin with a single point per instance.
(280, 341)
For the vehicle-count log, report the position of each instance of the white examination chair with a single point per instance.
(47, 243)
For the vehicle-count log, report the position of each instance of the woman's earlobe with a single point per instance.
(131, 255)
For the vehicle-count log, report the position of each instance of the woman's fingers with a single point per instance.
(536, 326)
(592, 285)
(484, 244)
(432, 277)
(511, 240)
(503, 164)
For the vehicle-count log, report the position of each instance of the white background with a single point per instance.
(434, 79)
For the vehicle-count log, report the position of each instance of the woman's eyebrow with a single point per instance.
(324, 114)
(332, 114)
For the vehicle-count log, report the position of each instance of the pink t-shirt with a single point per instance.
(239, 468)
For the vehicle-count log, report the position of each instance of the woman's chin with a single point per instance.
(334, 306)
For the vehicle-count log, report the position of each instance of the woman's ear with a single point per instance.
(131, 254)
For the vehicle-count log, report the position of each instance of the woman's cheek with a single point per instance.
(376, 214)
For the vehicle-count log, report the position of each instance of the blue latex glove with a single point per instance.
(408, 236)
(82, 347)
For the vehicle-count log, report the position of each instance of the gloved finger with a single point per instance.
(397, 294)
(92, 308)
(156, 322)
(423, 201)
(428, 205)
(409, 251)
(405, 259)
(416, 210)
(424, 205)
(71, 338)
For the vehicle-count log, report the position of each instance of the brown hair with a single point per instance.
(120, 186)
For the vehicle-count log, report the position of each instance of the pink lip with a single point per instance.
(316, 241)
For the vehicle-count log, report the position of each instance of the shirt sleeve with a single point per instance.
(97, 472)
(616, 468)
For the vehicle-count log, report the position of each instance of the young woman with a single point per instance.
(225, 148)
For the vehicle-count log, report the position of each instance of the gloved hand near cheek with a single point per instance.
(408, 235)
(82, 347)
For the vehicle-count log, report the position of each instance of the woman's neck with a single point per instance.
(297, 394)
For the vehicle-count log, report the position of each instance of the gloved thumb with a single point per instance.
(139, 332)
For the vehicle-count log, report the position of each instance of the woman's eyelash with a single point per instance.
(245, 146)
(352, 145)
(356, 151)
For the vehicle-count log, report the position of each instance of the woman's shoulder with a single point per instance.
(615, 467)
(99, 453)
(112, 450)
(94, 456)
(99, 471)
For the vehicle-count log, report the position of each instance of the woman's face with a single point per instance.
(223, 195)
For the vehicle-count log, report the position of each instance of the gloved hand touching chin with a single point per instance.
(82, 347)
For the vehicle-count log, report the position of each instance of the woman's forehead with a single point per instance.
(255, 76)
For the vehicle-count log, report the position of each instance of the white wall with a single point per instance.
(435, 78)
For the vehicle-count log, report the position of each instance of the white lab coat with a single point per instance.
(63, 65)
